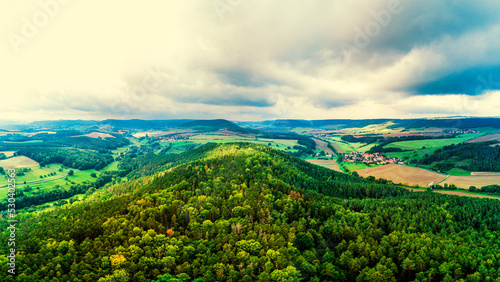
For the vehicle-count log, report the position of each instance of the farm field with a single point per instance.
(35, 173)
(120, 150)
(331, 164)
(458, 172)
(18, 162)
(79, 176)
(402, 174)
(320, 144)
(356, 166)
(485, 173)
(408, 155)
(484, 138)
(466, 194)
(350, 147)
(111, 166)
(8, 154)
(474, 180)
(24, 142)
(337, 148)
(430, 143)
(96, 135)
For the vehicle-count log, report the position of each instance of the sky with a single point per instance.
(249, 60)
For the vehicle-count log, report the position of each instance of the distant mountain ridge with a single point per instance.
(217, 124)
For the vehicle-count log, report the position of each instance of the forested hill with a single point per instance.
(244, 213)
(215, 125)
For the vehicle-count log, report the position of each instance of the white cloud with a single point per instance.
(265, 59)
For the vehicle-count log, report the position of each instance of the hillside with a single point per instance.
(214, 125)
(242, 212)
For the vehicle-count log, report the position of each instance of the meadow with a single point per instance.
(431, 143)
(349, 147)
(57, 181)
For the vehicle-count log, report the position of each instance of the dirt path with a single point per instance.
(37, 182)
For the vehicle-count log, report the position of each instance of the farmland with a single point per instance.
(430, 143)
(473, 180)
(59, 180)
(320, 144)
(331, 164)
(96, 135)
(402, 174)
(37, 174)
(474, 195)
(8, 154)
(348, 147)
(484, 138)
(18, 162)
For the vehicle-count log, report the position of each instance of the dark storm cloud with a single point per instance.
(422, 22)
(470, 82)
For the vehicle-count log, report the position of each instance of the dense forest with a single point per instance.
(69, 157)
(64, 138)
(472, 156)
(241, 212)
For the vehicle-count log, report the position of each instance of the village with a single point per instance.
(374, 158)
(456, 131)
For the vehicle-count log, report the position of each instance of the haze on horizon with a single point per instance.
(249, 60)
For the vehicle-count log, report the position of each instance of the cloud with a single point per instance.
(259, 60)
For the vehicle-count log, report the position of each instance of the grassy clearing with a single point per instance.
(409, 155)
(356, 166)
(348, 147)
(458, 172)
(111, 166)
(35, 173)
(79, 177)
(120, 150)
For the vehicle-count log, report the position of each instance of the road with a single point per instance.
(36, 182)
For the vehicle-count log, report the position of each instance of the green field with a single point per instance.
(355, 166)
(431, 143)
(351, 147)
(35, 173)
(458, 172)
(120, 150)
(408, 155)
(111, 166)
(79, 176)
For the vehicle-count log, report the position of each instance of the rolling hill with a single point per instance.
(215, 125)
(242, 212)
